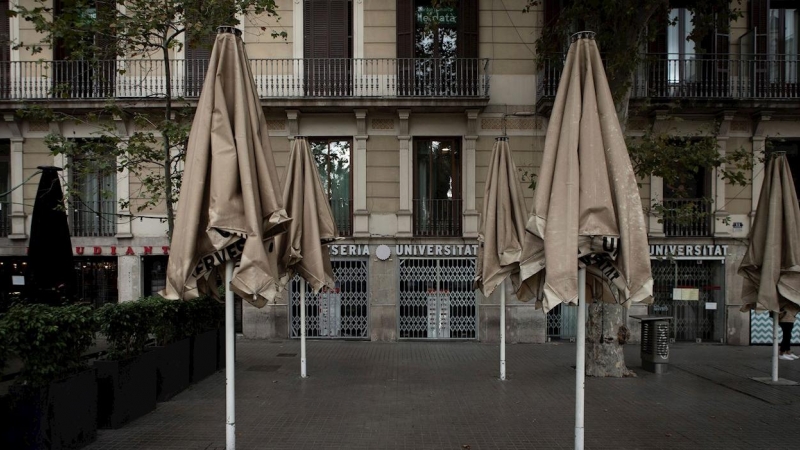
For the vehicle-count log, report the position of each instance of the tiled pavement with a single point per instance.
(446, 395)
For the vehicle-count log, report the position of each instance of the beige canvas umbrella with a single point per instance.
(771, 265)
(587, 211)
(502, 234)
(303, 249)
(230, 204)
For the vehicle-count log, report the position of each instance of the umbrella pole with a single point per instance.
(580, 359)
(230, 380)
(303, 373)
(503, 330)
(775, 347)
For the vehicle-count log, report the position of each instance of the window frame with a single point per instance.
(77, 204)
(312, 139)
(456, 164)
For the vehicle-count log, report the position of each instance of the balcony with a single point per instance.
(465, 79)
(94, 218)
(705, 77)
(687, 217)
(437, 218)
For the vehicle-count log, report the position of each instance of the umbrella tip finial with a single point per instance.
(229, 29)
(583, 35)
(501, 138)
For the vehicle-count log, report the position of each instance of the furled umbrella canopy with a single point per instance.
(302, 249)
(587, 206)
(51, 270)
(230, 205)
(503, 233)
(771, 265)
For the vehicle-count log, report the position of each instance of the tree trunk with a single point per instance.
(605, 334)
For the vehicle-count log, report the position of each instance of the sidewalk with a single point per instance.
(446, 395)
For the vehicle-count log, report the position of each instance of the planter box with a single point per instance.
(173, 371)
(204, 355)
(126, 389)
(62, 415)
(220, 348)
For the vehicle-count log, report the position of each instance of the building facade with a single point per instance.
(402, 117)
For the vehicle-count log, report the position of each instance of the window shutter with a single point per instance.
(337, 29)
(467, 43)
(405, 28)
(759, 19)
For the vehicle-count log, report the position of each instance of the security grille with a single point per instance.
(436, 298)
(562, 322)
(692, 320)
(340, 313)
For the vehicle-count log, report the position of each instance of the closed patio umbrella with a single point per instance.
(303, 249)
(587, 212)
(51, 270)
(771, 265)
(502, 234)
(230, 205)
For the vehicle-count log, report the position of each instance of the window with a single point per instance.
(85, 61)
(792, 149)
(94, 188)
(683, 67)
(96, 280)
(328, 47)
(334, 164)
(688, 210)
(679, 49)
(437, 48)
(5, 174)
(437, 187)
(782, 46)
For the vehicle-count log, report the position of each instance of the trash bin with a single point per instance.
(655, 343)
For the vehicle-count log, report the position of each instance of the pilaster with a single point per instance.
(359, 171)
(405, 214)
(759, 155)
(471, 215)
(720, 214)
(17, 208)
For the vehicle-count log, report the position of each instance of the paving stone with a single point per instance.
(446, 395)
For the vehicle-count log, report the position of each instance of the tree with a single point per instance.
(93, 33)
(623, 28)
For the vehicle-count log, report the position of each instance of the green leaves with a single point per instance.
(126, 326)
(50, 340)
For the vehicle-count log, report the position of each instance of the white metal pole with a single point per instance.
(303, 372)
(774, 347)
(503, 330)
(230, 380)
(580, 359)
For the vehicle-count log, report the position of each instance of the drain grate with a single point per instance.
(286, 355)
(263, 368)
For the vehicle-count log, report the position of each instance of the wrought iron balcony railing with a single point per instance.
(687, 217)
(701, 76)
(342, 214)
(274, 78)
(94, 218)
(437, 218)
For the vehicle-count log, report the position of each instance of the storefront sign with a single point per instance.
(121, 251)
(688, 250)
(349, 250)
(436, 250)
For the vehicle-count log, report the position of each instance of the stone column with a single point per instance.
(405, 215)
(359, 171)
(468, 180)
(16, 213)
(123, 187)
(759, 149)
(129, 277)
